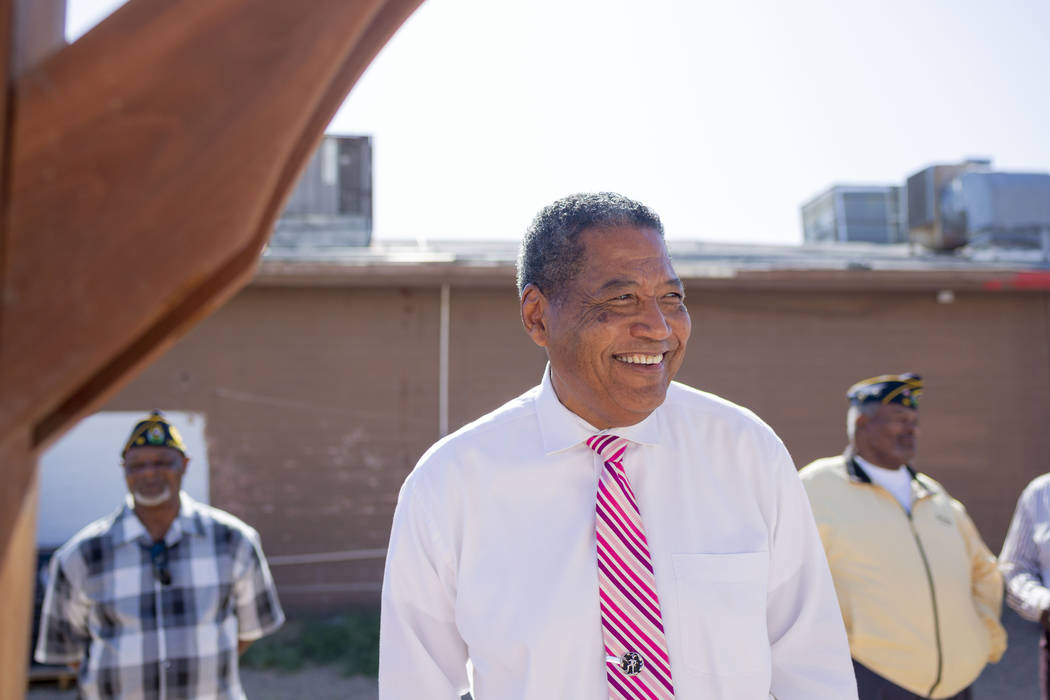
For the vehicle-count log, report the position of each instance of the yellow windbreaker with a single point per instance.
(920, 594)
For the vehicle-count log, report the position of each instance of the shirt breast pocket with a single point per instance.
(722, 611)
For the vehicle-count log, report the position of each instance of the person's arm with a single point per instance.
(810, 654)
(421, 653)
(64, 635)
(986, 582)
(1026, 592)
(254, 593)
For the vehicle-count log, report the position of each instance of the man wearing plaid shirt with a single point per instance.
(158, 599)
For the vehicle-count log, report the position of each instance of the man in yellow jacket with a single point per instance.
(919, 591)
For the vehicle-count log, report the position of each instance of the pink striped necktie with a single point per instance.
(637, 664)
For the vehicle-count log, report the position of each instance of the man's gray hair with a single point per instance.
(855, 412)
(551, 252)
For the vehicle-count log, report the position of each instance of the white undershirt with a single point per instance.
(896, 481)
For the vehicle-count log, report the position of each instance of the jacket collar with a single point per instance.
(857, 475)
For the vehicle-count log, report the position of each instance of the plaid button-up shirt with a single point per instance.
(135, 637)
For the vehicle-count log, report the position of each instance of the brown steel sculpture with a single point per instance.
(143, 168)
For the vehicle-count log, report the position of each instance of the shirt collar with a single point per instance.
(868, 467)
(856, 473)
(561, 429)
(128, 527)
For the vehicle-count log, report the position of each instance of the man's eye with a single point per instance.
(159, 464)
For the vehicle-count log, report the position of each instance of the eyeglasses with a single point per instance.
(158, 554)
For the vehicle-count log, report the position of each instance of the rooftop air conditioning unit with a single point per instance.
(1002, 209)
(925, 190)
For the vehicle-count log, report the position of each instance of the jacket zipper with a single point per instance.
(929, 580)
(933, 600)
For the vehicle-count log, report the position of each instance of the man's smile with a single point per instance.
(640, 358)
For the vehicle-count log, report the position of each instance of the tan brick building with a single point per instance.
(322, 381)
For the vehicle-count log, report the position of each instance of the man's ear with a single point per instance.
(858, 428)
(534, 307)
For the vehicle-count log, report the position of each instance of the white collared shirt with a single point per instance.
(492, 559)
(1025, 559)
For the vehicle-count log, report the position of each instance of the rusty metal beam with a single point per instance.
(143, 168)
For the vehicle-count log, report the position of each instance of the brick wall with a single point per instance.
(320, 399)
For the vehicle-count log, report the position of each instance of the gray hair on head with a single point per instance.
(551, 251)
(856, 411)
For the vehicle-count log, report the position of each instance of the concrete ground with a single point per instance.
(1013, 678)
(1016, 676)
(315, 683)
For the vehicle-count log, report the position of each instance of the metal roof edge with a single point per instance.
(702, 274)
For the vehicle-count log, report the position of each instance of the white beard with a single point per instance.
(148, 501)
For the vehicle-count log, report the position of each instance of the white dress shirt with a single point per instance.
(492, 559)
(1025, 559)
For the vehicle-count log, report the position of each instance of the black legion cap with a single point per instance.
(155, 431)
(904, 389)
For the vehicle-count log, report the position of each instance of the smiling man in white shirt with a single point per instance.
(609, 533)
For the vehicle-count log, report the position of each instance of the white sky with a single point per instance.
(722, 115)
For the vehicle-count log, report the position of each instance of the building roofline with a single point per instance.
(830, 267)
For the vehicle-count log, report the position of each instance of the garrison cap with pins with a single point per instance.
(154, 431)
(904, 389)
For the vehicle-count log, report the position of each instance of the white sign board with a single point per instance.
(80, 475)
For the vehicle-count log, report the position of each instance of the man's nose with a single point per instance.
(652, 322)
